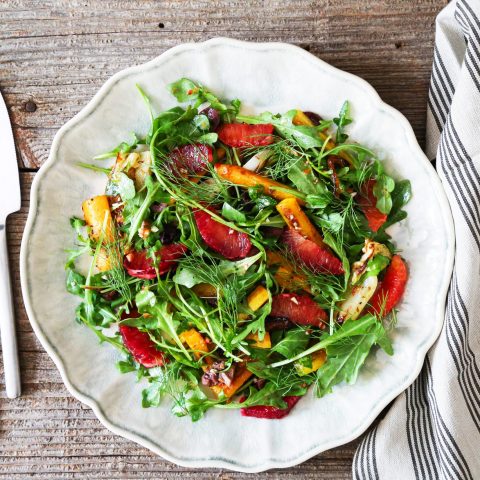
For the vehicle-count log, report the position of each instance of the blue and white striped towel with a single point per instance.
(432, 431)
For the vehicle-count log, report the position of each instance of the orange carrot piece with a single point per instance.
(245, 178)
(98, 217)
(296, 219)
(265, 343)
(96, 211)
(257, 298)
(195, 342)
(285, 275)
(205, 290)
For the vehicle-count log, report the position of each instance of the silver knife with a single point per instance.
(9, 203)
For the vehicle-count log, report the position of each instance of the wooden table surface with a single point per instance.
(54, 55)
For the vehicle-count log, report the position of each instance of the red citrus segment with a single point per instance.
(367, 203)
(269, 412)
(299, 309)
(191, 159)
(243, 135)
(138, 343)
(137, 264)
(390, 290)
(311, 254)
(230, 243)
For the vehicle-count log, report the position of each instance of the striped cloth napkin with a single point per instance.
(432, 431)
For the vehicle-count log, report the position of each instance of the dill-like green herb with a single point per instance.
(282, 155)
(115, 277)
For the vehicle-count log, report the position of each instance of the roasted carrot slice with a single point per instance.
(318, 359)
(98, 217)
(265, 343)
(245, 178)
(205, 290)
(301, 119)
(96, 211)
(195, 342)
(285, 274)
(297, 220)
(257, 297)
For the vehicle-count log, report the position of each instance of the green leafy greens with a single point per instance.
(198, 324)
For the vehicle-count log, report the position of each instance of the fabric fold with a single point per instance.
(432, 430)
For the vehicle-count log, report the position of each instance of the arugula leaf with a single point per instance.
(123, 147)
(285, 379)
(167, 380)
(375, 266)
(146, 302)
(83, 243)
(359, 327)
(401, 195)
(207, 138)
(302, 176)
(345, 358)
(142, 211)
(195, 403)
(293, 343)
(164, 122)
(342, 121)
(152, 396)
(343, 364)
(126, 366)
(261, 201)
(383, 186)
(184, 90)
(333, 222)
(319, 201)
(75, 282)
(238, 267)
(187, 277)
(231, 213)
(268, 396)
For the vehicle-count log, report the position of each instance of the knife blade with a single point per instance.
(9, 203)
(9, 181)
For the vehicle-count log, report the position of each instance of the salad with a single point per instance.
(238, 260)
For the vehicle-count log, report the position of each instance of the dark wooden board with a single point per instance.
(54, 55)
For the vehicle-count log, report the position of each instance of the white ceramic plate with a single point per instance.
(266, 76)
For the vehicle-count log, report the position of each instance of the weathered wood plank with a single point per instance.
(56, 56)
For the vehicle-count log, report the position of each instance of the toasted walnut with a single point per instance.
(145, 229)
(217, 374)
(116, 207)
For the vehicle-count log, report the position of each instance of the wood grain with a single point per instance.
(54, 55)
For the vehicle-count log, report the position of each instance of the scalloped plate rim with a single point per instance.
(223, 462)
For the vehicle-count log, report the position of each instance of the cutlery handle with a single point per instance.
(7, 322)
